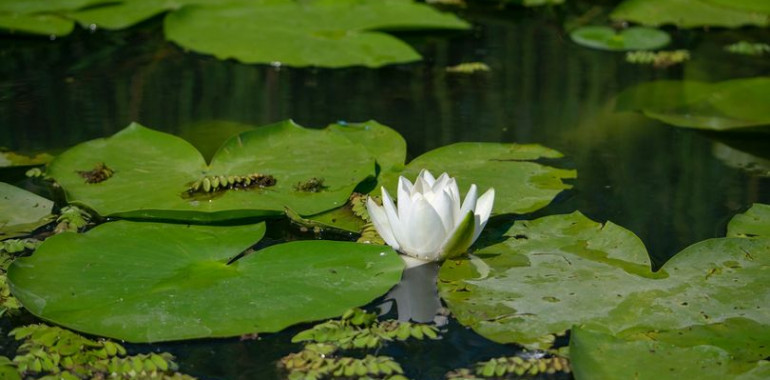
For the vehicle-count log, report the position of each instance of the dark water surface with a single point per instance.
(672, 187)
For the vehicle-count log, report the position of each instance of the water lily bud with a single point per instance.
(430, 223)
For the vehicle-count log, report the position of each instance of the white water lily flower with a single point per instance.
(430, 224)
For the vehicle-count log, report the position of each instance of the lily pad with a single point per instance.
(563, 270)
(140, 158)
(687, 14)
(27, 7)
(522, 185)
(320, 33)
(50, 25)
(760, 6)
(150, 282)
(598, 355)
(734, 105)
(21, 212)
(753, 223)
(634, 38)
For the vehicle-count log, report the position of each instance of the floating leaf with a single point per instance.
(140, 157)
(597, 355)
(558, 271)
(738, 104)
(634, 38)
(687, 14)
(526, 186)
(753, 223)
(760, 6)
(21, 212)
(320, 33)
(50, 25)
(27, 7)
(149, 282)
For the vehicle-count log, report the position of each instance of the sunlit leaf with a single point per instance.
(149, 282)
(153, 172)
(686, 14)
(522, 185)
(320, 33)
(597, 355)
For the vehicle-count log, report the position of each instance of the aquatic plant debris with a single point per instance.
(325, 346)
(215, 183)
(98, 174)
(748, 48)
(63, 354)
(659, 59)
(503, 367)
(160, 281)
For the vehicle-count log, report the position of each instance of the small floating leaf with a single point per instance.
(633, 38)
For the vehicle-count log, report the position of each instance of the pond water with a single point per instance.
(670, 186)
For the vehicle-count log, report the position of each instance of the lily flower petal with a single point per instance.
(429, 222)
(381, 223)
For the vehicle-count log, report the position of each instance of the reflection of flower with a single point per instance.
(430, 224)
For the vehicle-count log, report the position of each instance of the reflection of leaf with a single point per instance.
(687, 14)
(753, 223)
(146, 282)
(21, 212)
(634, 38)
(320, 33)
(562, 270)
(140, 156)
(521, 184)
(730, 105)
(597, 355)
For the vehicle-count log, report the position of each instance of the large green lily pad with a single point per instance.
(734, 105)
(753, 223)
(149, 282)
(558, 271)
(522, 185)
(21, 212)
(687, 14)
(318, 33)
(597, 355)
(607, 38)
(153, 171)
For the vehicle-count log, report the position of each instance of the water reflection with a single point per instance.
(416, 296)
